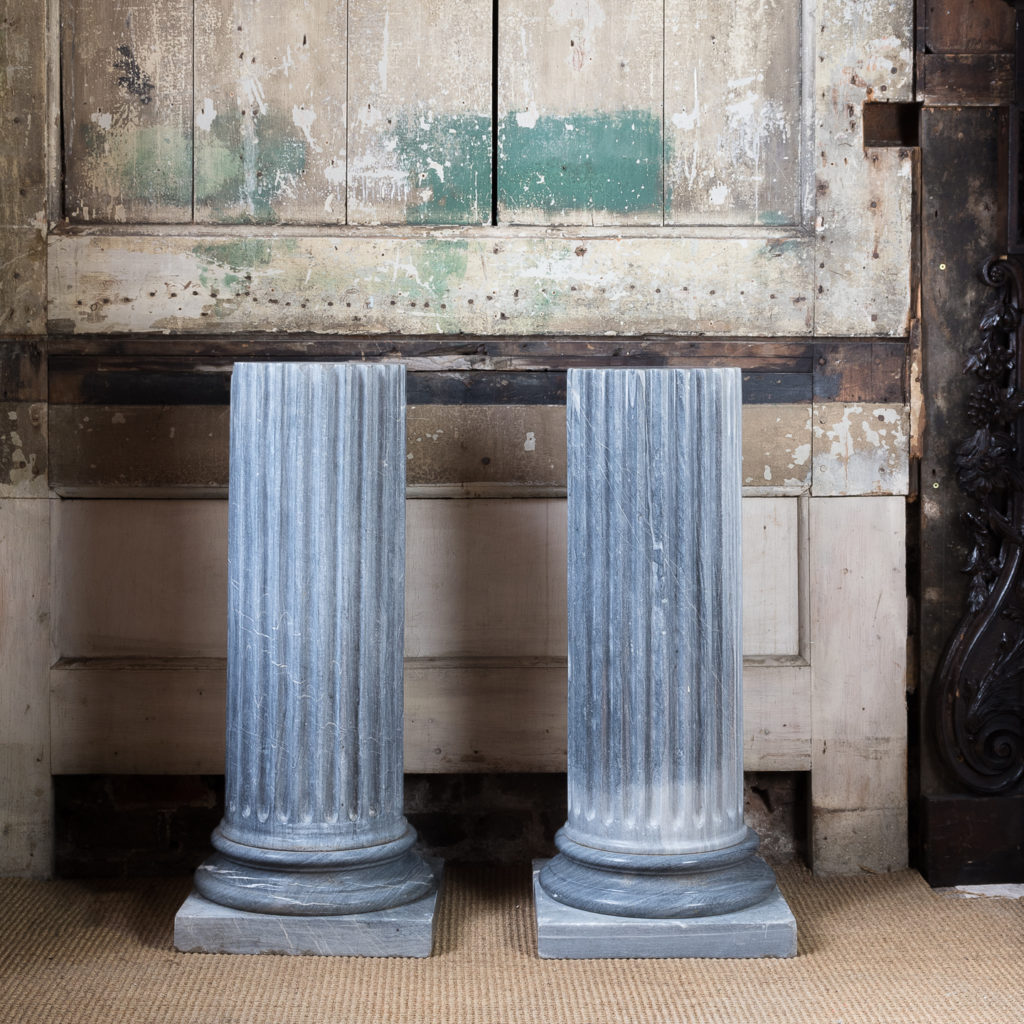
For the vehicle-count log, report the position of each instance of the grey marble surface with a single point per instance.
(313, 821)
(204, 927)
(766, 929)
(655, 825)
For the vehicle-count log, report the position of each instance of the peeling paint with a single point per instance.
(433, 169)
(857, 450)
(368, 285)
(247, 165)
(23, 451)
(205, 115)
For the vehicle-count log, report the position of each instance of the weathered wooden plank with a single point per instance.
(23, 366)
(142, 719)
(23, 115)
(580, 112)
(270, 112)
(116, 450)
(431, 284)
(968, 26)
(734, 112)
(860, 371)
(487, 579)
(772, 541)
(140, 578)
(965, 79)
(126, 449)
(491, 714)
(25, 793)
(127, 106)
(22, 281)
(510, 715)
(448, 444)
(172, 354)
(860, 449)
(420, 95)
(23, 450)
(433, 380)
(863, 260)
(858, 626)
(777, 446)
(776, 717)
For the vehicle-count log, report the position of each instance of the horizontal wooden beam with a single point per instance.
(965, 79)
(482, 371)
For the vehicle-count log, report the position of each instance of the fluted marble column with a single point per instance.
(313, 824)
(655, 828)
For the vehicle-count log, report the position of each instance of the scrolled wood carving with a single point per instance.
(980, 687)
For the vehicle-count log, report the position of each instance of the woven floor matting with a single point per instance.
(883, 949)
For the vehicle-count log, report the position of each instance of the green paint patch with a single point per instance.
(439, 263)
(246, 165)
(448, 160)
(781, 246)
(137, 167)
(775, 218)
(235, 258)
(581, 162)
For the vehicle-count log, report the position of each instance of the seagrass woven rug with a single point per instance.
(878, 948)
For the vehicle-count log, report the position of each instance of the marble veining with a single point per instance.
(655, 758)
(313, 819)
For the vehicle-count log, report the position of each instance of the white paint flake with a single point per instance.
(205, 115)
(253, 91)
(335, 171)
(685, 121)
(303, 118)
(102, 119)
(530, 444)
(718, 195)
(528, 118)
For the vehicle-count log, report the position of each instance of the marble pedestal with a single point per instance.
(766, 929)
(313, 826)
(655, 857)
(407, 930)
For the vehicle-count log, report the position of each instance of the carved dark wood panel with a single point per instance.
(980, 686)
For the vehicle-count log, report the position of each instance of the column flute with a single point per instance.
(313, 826)
(655, 831)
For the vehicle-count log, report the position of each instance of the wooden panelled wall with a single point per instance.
(490, 194)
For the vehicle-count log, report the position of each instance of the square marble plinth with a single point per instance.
(204, 927)
(565, 933)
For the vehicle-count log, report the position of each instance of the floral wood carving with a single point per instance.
(981, 679)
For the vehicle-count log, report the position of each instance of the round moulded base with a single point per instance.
(315, 883)
(657, 885)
